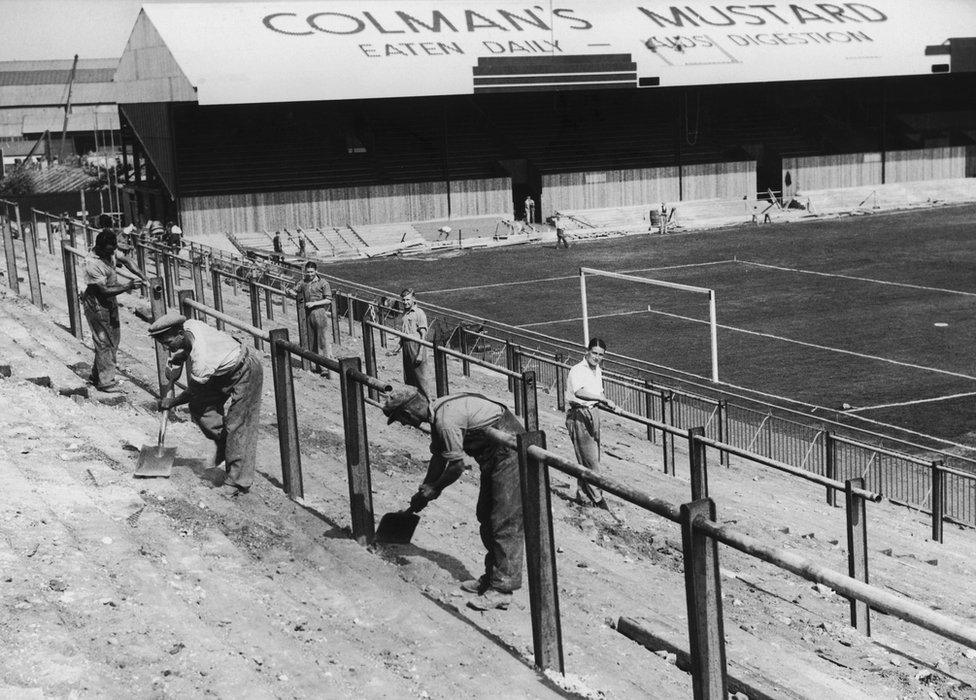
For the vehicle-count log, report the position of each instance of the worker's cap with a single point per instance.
(404, 400)
(166, 322)
(444, 229)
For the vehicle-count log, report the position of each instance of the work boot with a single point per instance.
(111, 389)
(491, 599)
(475, 585)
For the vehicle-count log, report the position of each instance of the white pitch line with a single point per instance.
(562, 277)
(773, 337)
(860, 279)
(911, 403)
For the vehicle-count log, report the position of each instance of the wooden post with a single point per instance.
(857, 552)
(699, 467)
(703, 591)
(560, 382)
(71, 290)
(141, 262)
(530, 400)
(938, 499)
(723, 430)
(217, 289)
(89, 238)
(69, 226)
(440, 371)
(268, 305)
(284, 388)
(369, 355)
(255, 296)
(515, 383)
(157, 302)
(196, 272)
(168, 281)
(510, 365)
(302, 314)
(540, 555)
(33, 276)
(649, 409)
(357, 452)
(667, 441)
(50, 238)
(463, 347)
(830, 466)
(334, 311)
(10, 254)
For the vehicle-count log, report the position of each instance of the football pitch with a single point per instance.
(874, 311)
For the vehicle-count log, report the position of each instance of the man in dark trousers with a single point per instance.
(101, 306)
(458, 443)
(218, 368)
(416, 363)
(315, 294)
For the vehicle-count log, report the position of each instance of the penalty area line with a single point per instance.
(933, 399)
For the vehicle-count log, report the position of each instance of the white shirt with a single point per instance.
(582, 376)
(214, 352)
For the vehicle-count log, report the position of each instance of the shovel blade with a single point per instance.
(397, 528)
(155, 461)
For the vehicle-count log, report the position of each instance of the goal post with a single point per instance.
(710, 293)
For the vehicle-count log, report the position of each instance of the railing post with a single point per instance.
(530, 400)
(284, 388)
(334, 311)
(514, 366)
(50, 239)
(217, 289)
(10, 254)
(268, 305)
(140, 249)
(649, 409)
(68, 226)
(254, 294)
(302, 313)
(703, 591)
(463, 347)
(857, 551)
(440, 371)
(369, 356)
(938, 499)
(89, 238)
(33, 276)
(71, 290)
(540, 555)
(560, 382)
(667, 441)
(510, 365)
(196, 272)
(168, 280)
(157, 302)
(698, 464)
(357, 452)
(830, 466)
(723, 430)
(350, 314)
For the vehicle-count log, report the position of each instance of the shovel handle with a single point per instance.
(163, 420)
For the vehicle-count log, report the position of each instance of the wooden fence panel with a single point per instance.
(832, 172)
(734, 180)
(609, 188)
(925, 164)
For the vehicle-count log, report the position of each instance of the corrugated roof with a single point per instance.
(60, 178)
(79, 121)
(58, 64)
(56, 77)
(16, 149)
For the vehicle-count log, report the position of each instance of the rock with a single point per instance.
(582, 564)
(785, 530)
(785, 620)
(736, 602)
(257, 660)
(823, 590)
(809, 536)
(932, 562)
(56, 584)
(886, 552)
(969, 653)
(923, 675)
(895, 661)
(176, 648)
(282, 677)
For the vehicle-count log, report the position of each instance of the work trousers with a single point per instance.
(583, 424)
(103, 319)
(499, 509)
(234, 427)
(319, 332)
(417, 374)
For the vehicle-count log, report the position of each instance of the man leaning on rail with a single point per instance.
(458, 443)
(219, 368)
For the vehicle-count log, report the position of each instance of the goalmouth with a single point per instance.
(710, 293)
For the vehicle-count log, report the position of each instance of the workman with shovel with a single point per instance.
(458, 443)
(218, 368)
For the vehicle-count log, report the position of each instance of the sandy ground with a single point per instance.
(121, 587)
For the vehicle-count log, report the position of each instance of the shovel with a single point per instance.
(157, 460)
(397, 528)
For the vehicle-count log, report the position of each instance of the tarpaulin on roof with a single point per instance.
(337, 49)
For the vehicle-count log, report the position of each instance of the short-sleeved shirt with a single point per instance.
(214, 353)
(415, 322)
(94, 270)
(318, 289)
(453, 417)
(581, 376)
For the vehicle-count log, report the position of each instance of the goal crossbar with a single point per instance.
(712, 324)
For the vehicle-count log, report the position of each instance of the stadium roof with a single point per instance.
(40, 83)
(254, 52)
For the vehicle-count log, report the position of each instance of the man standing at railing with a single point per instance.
(458, 443)
(415, 359)
(584, 395)
(101, 306)
(315, 293)
(218, 368)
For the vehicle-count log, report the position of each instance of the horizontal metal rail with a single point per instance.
(228, 319)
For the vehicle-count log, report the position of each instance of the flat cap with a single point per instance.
(165, 322)
(403, 399)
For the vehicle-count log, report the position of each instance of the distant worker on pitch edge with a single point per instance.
(458, 443)
(218, 368)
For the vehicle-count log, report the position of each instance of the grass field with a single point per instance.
(826, 312)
